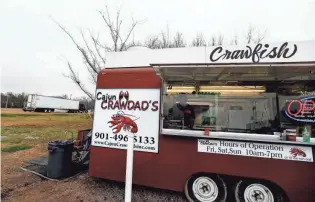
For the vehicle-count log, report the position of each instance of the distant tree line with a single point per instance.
(18, 100)
(12, 100)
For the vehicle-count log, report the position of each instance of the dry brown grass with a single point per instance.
(11, 111)
(35, 130)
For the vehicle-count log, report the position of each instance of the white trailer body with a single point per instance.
(50, 103)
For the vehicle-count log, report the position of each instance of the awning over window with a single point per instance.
(236, 73)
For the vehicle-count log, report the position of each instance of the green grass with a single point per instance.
(28, 135)
(38, 129)
(64, 114)
(17, 137)
(42, 117)
(15, 148)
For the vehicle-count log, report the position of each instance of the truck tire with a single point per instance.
(205, 188)
(257, 190)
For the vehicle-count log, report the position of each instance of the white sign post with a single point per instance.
(129, 168)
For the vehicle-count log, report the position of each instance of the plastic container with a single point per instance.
(306, 135)
(60, 158)
(291, 134)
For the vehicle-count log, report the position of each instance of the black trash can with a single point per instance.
(59, 158)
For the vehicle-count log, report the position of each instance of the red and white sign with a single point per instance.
(119, 112)
(253, 149)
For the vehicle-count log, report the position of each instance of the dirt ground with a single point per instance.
(25, 128)
(11, 111)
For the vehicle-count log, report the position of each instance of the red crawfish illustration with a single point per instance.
(297, 152)
(123, 121)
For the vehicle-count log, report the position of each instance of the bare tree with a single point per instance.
(216, 40)
(249, 34)
(199, 40)
(255, 36)
(164, 40)
(93, 51)
(152, 42)
(260, 36)
(220, 39)
(213, 41)
(234, 41)
(114, 27)
(178, 40)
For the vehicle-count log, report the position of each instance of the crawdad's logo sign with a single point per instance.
(301, 110)
(121, 114)
(256, 53)
(110, 102)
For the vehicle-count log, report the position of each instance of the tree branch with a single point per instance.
(83, 52)
(74, 77)
(96, 44)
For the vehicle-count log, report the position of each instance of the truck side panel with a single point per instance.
(56, 103)
(178, 157)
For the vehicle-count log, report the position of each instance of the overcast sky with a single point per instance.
(32, 46)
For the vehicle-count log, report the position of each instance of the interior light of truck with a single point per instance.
(235, 89)
(232, 87)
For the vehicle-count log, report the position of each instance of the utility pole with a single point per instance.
(6, 104)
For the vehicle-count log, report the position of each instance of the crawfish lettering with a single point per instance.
(255, 54)
(130, 105)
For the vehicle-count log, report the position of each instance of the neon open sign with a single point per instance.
(302, 110)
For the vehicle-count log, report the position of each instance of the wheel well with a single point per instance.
(231, 180)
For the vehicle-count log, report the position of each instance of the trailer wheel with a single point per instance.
(205, 188)
(257, 191)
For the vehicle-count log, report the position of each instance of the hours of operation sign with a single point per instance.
(253, 149)
(121, 112)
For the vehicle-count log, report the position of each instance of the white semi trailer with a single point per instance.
(41, 103)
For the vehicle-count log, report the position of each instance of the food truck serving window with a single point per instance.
(246, 109)
(241, 109)
(250, 103)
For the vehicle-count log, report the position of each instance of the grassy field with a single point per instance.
(23, 130)
(24, 135)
